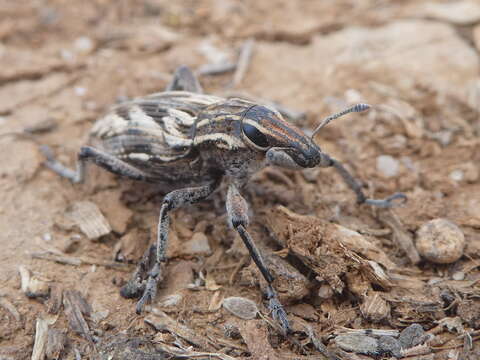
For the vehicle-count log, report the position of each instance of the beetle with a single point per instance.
(187, 142)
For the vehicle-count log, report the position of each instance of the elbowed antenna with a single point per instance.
(354, 108)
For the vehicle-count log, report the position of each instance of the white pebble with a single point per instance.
(80, 90)
(459, 276)
(387, 165)
(83, 45)
(47, 237)
(456, 175)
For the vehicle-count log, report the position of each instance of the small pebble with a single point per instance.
(80, 91)
(357, 343)
(47, 237)
(389, 345)
(243, 308)
(325, 292)
(83, 45)
(456, 175)
(411, 336)
(459, 276)
(198, 245)
(440, 241)
(387, 165)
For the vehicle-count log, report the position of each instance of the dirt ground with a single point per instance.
(339, 267)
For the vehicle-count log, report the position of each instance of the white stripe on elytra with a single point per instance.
(181, 117)
(109, 125)
(220, 140)
(139, 118)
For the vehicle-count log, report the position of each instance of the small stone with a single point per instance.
(325, 292)
(47, 237)
(411, 336)
(83, 45)
(357, 343)
(458, 276)
(456, 175)
(389, 345)
(80, 91)
(387, 165)
(440, 241)
(243, 308)
(198, 245)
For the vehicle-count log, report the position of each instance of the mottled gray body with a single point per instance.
(187, 143)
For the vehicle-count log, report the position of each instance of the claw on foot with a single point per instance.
(150, 288)
(278, 312)
(388, 202)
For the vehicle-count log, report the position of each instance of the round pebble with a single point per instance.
(243, 308)
(387, 165)
(440, 241)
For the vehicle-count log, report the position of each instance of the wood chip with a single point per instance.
(31, 286)
(243, 61)
(400, 235)
(255, 335)
(55, 344)
(162, 322)
(7, 305)
(191, 354)
(375, 308)
(41, 336)
(54, 301)
(88, 217)
(75, 308)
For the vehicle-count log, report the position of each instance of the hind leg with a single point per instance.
(102, 159)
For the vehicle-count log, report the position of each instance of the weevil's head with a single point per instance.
(284, 144)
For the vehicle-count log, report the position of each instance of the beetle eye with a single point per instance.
(255, 136)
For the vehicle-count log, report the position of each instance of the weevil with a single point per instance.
(187, 143)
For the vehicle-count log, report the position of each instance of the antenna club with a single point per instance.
(361, 107)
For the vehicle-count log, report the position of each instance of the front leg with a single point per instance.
(171, 201)
(361, 198)
(237, 212)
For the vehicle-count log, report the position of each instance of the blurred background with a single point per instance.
(64, 63)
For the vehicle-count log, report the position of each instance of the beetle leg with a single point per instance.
(102, 159)
(361, 198)
(184, 80)
(171, 201)
(237, 210)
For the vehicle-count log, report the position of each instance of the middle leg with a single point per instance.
(237, 210)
